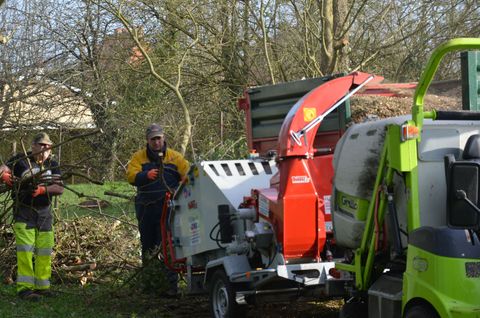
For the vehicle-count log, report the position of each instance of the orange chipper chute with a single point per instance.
(299, 198)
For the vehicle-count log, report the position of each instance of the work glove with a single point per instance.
(7, 178)
(39, 191)
(152, 174)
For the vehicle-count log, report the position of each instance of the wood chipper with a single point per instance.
(406, 204)
(259, 230)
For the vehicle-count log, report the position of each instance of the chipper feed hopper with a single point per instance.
(405, 206)
(258, 230)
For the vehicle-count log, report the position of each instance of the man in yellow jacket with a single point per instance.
(154, 170)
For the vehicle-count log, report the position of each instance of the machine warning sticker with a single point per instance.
(263, 206)
(472, 269)
(300, 179)
(186, 192)
(326, 202)
(194, 232)
(328, 226)
(309, 114)
(192, 204)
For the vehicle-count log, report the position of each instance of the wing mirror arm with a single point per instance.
(462, 195)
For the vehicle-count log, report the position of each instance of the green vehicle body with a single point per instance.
(442, 283)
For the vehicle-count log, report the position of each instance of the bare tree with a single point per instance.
(118, 10)
(27, 66)
(200, 55)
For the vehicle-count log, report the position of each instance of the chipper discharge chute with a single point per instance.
(406, 204)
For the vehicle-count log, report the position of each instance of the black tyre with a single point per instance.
(420, 311)
(354, 309)
(222, 297)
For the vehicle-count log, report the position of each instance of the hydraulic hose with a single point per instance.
(169, 259)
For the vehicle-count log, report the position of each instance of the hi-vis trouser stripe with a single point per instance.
(33, 243)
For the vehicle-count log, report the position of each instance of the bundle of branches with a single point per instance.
(95, 249)
(87, 249)
(7, 253)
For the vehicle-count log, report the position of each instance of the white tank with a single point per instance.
(355, 163)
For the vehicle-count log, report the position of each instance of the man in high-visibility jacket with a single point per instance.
(154, 170)
(34, 179)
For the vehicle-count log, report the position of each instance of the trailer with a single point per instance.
(259, 230)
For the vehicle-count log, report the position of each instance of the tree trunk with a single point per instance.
(334, 36)
(327, 54)
(341, 36)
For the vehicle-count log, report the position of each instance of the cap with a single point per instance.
(42, 138)
(154, 130)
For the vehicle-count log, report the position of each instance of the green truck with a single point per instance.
(406, 198)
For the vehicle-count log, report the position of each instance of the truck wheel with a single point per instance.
(355, 309)
(420, 311)
(222, 297)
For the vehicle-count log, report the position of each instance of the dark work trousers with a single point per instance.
(149, 216)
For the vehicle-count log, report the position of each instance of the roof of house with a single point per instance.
(47, 106)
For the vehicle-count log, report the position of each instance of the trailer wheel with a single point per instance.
(420, 311)
(222, 297)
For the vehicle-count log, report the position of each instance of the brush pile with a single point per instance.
(87, 249)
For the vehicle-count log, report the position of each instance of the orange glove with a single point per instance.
(39, 191)
(7, 178)
(152, 174)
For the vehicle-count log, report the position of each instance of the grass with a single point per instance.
(103, 301)
(92, 301)
(69, 204)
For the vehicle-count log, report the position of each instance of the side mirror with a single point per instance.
(464, 195)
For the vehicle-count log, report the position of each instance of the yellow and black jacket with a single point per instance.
(175, 167)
